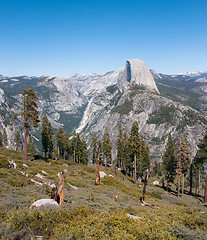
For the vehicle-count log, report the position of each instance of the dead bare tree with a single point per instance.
(54, 194)
(61, 187)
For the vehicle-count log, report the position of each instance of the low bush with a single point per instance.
(89, 169)
(156, 195)
(111, 181)
(18, 180)
(85, 223)
(4, 163)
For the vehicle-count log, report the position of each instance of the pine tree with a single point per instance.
(106, 147)
(31, 146)
(94, 141)
(145, 158)
(78, 147)
(66, 145)
(47, 137)
(73, 145)
(1, 139)
(29, 113)
(5, 139)
(97, 180)
(126, 154)
(50, 140)
(201, 158)
(59, 138)
(170, 161)
(17, 140)
(44, 136)
(157, 169)
(183, 160)
(83, 152)
(120, 148)
(135, 146)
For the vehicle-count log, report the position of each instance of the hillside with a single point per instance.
(90, 211)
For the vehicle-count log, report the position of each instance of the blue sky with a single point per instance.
(61, 38)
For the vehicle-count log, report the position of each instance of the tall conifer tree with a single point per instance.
(1, 139)
(126, 153)
(47, 137)
(135, 146)
(31, 146)
(183, 160)
(94, 142)
(170, 161)
(120, 148)
(59, 138)
(145, 157)
(17, 140)
(106, 147)
(29, 111)
(201, 158)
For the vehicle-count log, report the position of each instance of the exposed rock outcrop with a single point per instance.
(45, 203)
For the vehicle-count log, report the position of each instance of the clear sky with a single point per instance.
(64, 37)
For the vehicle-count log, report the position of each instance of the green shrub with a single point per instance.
(110, 181)
(18, 180)
(76, 181)
(156, 195)
(3, 162)
(89, 169)
(85, 223)
(180, 204)
(182, 233)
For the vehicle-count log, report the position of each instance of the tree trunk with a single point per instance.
(168, 182)
(105, 162)
(191, 179)
(58, 151)
(97, 182)
(205, 194)
(115, 171)
(61, 187)
(199, 181)
(145, 186)
(135, 169)
(125, 169)
(183, 184)
(163, 183)
(121, 165)
(196, 184)
(25, 142)
(54, 194)
(152, 166)
(74, 155)
(167, 185)
(178, 184)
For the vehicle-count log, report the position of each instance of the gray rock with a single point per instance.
(133, 217)
(45, 203)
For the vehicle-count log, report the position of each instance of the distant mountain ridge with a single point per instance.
(89, 103)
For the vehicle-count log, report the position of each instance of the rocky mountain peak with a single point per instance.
(136, 72)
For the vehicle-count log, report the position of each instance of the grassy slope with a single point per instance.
(18, 192)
